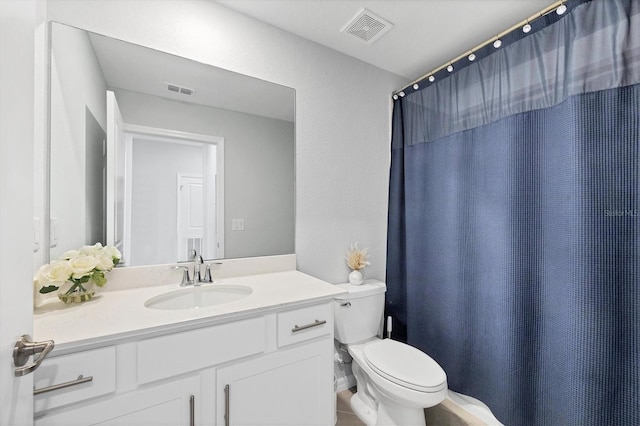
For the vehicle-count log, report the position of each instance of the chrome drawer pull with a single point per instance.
(304, 327)
(192, 410)
(78, 381)
(227, 408)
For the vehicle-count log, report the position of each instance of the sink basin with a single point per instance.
(198, 297)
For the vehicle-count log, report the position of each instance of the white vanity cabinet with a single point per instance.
(169, 404)
(273, 368)
(290, 386)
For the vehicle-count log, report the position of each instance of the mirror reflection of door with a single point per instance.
(197, 211)
(190, 223)
(171, 197)
(150, 219)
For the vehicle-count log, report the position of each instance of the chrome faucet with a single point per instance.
(197, 262)
(197, 270)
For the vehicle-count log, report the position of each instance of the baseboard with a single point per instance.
(345, 382)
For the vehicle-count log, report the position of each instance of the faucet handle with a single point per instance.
(186, 279)
(207, 272)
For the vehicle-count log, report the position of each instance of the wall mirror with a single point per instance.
(159, 155)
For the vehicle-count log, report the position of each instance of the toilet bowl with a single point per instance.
(395, 381)
(399, 382)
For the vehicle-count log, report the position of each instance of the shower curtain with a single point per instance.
(513, 253)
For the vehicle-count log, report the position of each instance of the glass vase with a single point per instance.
(71, 292)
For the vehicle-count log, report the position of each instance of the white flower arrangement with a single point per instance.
(357, 258)
(79, 267)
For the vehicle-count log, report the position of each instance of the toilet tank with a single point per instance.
(358, 314)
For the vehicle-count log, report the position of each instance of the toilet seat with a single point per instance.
(405, 365)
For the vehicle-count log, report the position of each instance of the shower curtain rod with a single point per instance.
(520, 24)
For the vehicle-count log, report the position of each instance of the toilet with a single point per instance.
(395, 381)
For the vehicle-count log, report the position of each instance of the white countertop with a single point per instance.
(120, 315)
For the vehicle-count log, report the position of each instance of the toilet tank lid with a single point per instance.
(367, 288)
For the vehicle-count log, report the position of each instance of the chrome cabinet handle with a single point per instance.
(227, 414)
(346, 305)
(24, 348)
(316, 323)
(78, 381)
(192, 410)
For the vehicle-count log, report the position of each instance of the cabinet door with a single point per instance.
(289, 387)
(168, 404)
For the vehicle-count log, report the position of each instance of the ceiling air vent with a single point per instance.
(179, 89)
(367, 27)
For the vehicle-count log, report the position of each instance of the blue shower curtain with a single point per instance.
(514, 222)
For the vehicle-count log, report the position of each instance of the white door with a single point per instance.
(17, 51)
(115, 174)
(190, 215)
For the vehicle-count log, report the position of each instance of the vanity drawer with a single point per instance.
(303, 324)
(179, 353)
(98, 364)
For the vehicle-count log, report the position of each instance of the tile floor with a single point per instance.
(345, 415)
(444, 414)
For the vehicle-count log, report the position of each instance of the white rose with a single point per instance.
(70, 254)
(113, 252)
(82, 265)
(91, 250)
(105, 263)
(57, 272)
(41, 275)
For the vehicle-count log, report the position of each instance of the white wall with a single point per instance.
(342, 113)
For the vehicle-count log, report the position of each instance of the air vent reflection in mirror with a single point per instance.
(179, 89)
